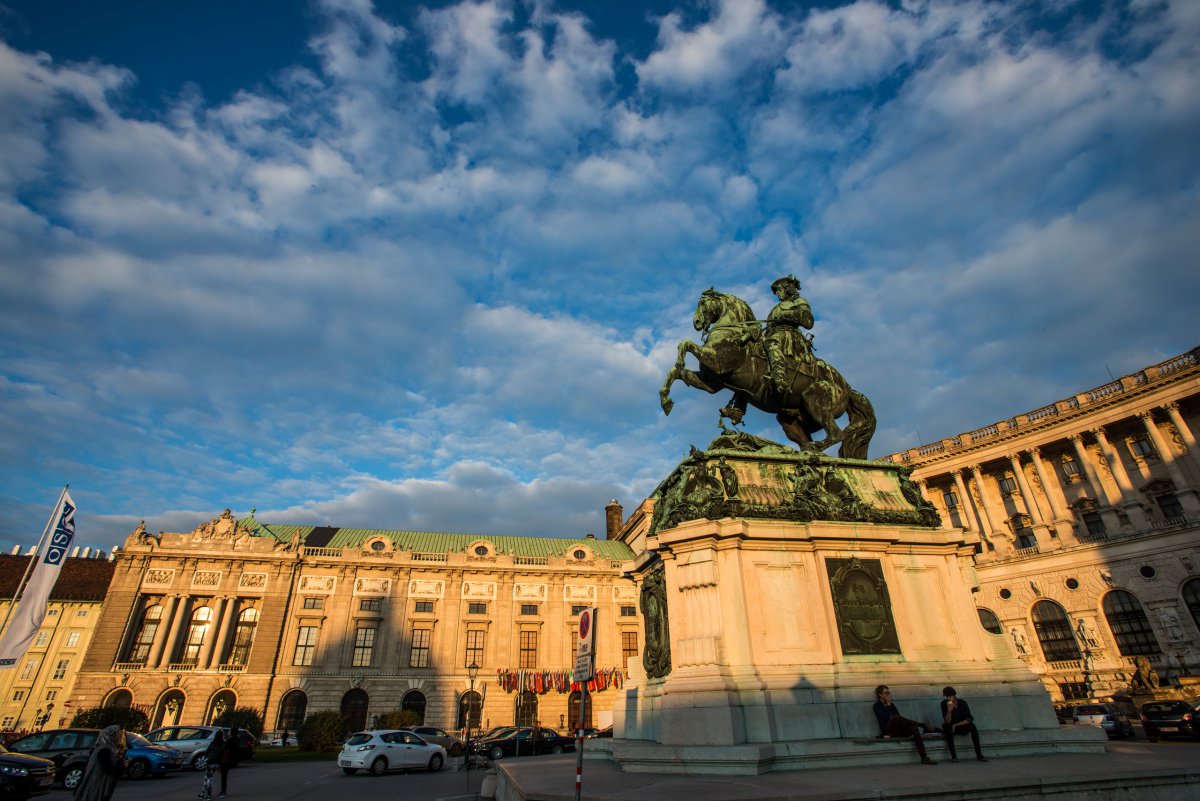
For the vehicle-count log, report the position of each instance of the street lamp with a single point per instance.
(472, 672)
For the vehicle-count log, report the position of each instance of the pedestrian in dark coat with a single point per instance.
(105, 765)
(229, 758)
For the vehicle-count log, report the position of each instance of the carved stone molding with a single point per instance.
(318, 583)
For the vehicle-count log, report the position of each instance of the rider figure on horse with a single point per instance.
(785, 341)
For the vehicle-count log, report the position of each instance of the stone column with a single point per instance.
(220, 604)
(923, 486)
(1005, 542)
(1041, 531)
(965, 503)
(170, 606)
(182, 611)
(1186, 495)
(1129, 502)
(1185, 432)
(228, 622)
(1112, 523)
(1064, 522)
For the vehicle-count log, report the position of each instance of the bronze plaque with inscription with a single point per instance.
(862, 606)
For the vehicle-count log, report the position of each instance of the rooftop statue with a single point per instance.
(773, 369)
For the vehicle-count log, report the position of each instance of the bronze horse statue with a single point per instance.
(734, 356)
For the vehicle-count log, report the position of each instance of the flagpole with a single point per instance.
(12, 604)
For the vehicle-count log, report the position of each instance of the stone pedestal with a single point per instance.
(767, 634)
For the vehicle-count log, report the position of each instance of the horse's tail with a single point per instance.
(858, 433)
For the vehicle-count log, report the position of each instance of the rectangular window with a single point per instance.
(370, 605)
(31, 666)
(951, 499)
(1026, 538)
(529, 609)
(18, 695)
(528, 650)
(1007, 485)
(628, 611)
(576, 611)
(419, 654)
(1070, 467)
(629, 644)
(60, 670)
(1141, 446)
(306, 645)
(81, 613)
(8, 722)
(43, 637)
(364, 645)
(1170, 506)
(476, 609)
(1094, 523)
(474, 653)
(423, 606)
(73, 639)
(313, 602)
(51, 695)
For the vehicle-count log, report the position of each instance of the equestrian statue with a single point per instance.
(770, 365)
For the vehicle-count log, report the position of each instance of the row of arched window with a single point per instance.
(189, 649)
(1126, 618)
(168, 710)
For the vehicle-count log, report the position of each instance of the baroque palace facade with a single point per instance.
(292, 620)
(1087, 513)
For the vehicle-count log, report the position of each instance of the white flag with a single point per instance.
(25, 621)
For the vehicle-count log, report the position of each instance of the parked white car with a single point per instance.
(389, 749)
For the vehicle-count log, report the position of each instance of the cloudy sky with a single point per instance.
(425, 266)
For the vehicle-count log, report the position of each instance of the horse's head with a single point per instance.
(708, 310)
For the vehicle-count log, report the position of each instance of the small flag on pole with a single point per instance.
(27, 618)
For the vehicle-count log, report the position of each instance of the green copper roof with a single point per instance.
(437, 542)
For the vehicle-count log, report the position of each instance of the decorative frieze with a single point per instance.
(252, 581)
(372, 586)
(427, 588)
(579, 593)
(158, 577)
(479, 590)
(318, 583)
(529, 592)
(206, 579)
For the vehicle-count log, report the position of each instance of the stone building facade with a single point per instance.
(1087, 514)
(37, 691)
(296, 619)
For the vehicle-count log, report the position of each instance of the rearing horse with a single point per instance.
(733, 356)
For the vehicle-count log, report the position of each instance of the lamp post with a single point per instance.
(472, 673)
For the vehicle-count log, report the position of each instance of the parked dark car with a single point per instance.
(607, 731)
(69, 750)
(23, 776)
(515, 742)
(1171, 719)
(432, 734)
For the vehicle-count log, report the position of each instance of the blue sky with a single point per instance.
(425, 266)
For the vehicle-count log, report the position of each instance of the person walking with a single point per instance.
(105, 765)
(212, 754)
(283, 740)
(893, 724)
(535, 738)
(229, 758)
(957, 719)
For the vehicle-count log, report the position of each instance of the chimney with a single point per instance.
(75, 552)
(613, 518)
(86, 551)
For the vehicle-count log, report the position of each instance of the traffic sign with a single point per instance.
(583, 667)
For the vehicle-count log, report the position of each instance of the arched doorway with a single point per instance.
(527, 708)
(169, 709)
(414, 701)
(119, 699)
(470, 710)
(1054, 632)
(291, 711)
(219, 704)
(573, 711)
(354, 709)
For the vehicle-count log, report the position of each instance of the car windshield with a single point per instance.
(1158, 708)
(1091, 710)
(498, 733)
(359, 739)
(136, 739)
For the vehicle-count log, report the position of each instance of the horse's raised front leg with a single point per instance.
(681, 373)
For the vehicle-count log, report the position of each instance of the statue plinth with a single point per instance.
(779, 589)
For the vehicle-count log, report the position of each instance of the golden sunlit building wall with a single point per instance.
(36, 693)
(292, 620)
(1087, 512)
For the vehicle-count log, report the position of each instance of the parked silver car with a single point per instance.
(1106, 716)
(193, 742)
(452, 744)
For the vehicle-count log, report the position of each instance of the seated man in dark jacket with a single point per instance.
(956, 717)
(893, 724)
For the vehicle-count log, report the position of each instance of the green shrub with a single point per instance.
(397, 719)
(99, 717)
(322, 731)
(244, 717)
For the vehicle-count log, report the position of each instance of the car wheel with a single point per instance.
(201, 761)
(456, 749)
(137, 769)
(557, 749)
(435, 762)
(72, 778)
(497, 752)
(349, 771)
(379, 766)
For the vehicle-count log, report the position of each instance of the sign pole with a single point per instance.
(579, 738)
(585, 668)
